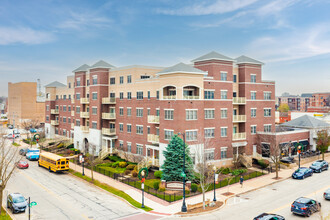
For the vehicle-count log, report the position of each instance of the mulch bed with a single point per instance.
(227, 194)
(200, 209)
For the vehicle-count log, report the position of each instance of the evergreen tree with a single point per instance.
(173, 165)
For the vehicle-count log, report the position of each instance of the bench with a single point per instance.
(198, 205)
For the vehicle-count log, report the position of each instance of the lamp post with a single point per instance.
(184, 207)
(299, 147)
(214, 168)
(142, 186)
(83, 162)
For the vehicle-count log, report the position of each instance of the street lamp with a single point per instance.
(83, 162)
(184, 207)
(299, 152)
(142, 186)
(214, 169)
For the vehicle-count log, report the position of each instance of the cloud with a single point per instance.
(24, 35)
(297, 44)
(82, 21)
(275, 7)
(201, 8)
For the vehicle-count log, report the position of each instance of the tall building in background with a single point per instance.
(25, 103)
(218, 102)
(296, 103)
(320, 102)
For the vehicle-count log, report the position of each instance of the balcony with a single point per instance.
(190, 97)
(153, 138)
(72, 113)
(54, 111)
(84, 100)
(239, 136)
(109, 131)
(109, 116)
(109, 100)
(72, 101)
(54, 122)
(72, 125)
(239, 118)
(169, 97)
(84, 128)
(153, 119)
(239, 101)
(84, 114)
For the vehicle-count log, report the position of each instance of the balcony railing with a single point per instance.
(84, 128)
(109, 100)
(153, 119)
(239, 101)
(72, 125)
(84, 100)
(109, 131)
(239, 118)
(72, 113)
(84, 114)
(72, 101)
(239, 136)
(109, 116)
(153, 138)
(169, 97)
(54, 122)
(54, 111)
(190, 97)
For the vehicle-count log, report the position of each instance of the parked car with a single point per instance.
(302, 172)
(326, 194)
(305, 206)
(23, 151)
(10, 136)
(22, 164)
(32, 154)
(16, 202)
(319, 165)
(287, 160)
(267, 216)
(10, 126)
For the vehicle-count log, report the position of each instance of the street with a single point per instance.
(62, 196)
(276, 198)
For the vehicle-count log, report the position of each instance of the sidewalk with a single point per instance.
(163, 207)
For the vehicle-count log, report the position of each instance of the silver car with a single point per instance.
(326, 194)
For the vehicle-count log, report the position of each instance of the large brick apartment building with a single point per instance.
(138, 108)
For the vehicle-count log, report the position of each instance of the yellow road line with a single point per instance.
(289, 204)
(47, 190)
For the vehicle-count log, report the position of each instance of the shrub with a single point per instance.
(134, 173)
(194, 187)
(238, 172)
(158, 174)
(161, 189)
(226, 171)
(122, 164)
(156, 185)
(115, 164)
(130, 167)
(127, 172)
(263, 163)
(187, 191)
(60, 145)
(50, 143)
(70, 146)
(115, 158)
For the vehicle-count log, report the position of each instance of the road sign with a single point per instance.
(183, 174)
(33, 204)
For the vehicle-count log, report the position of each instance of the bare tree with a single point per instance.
(92, 159)
(270, 145)
(204, 168)
(8, 157)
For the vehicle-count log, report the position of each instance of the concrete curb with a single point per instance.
(9, 213)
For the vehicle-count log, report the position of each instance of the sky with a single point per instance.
(46, 40)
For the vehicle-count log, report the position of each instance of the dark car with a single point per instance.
(326, 194)
(22, 164)
(287, 160)
(305, 206)
(10, 126)
(267, 216)
(302, 172)
(23, 151)
(16, 202)
(319, 165)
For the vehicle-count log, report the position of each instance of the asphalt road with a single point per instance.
(276, 198)
(62, 196)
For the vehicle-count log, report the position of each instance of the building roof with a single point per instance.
(101, 64)
(244, 59)
(82, 68)
(181, 68)
(55, 84)
(212, 56)
(306, 121)
(306, 95)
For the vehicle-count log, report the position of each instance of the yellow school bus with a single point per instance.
(53, 162)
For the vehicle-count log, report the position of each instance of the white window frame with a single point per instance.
(191, 117)
(226, 129)
(268, 125)
(139, 149)
(139, 129)
(194, 137)
(224, 110)
(121, 111)
(253, 129)
(94, 108)
(93, 95)
(225, 74)
(139, 112)
(254, 96)
(255, 111)
(222, 92)
(267, 95)
(129, 110)
(121, 127)
(255, 78)
(208, 113)
(223, 149)
(130, 128)
(168, 114)
(267, 112)
(209, 132)
(168, 136)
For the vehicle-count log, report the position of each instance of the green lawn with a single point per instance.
(16, 144)
(114, 170)
(4, 215)
(112, 190)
